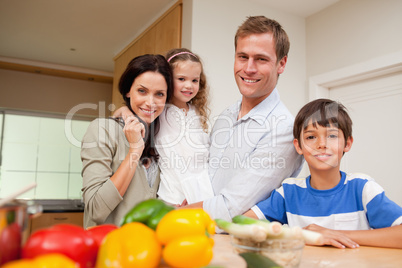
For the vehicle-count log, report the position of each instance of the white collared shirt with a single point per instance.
(250, 157)
(182, 145)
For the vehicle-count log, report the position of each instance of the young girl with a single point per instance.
(182, 141)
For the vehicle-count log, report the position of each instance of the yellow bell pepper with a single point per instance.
(132, 245)
(184, 232)
(189, 251)
(51, 260)
(183, 222)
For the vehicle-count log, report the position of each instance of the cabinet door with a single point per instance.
(160, 37)
(144, 45)
(168, 32)
(48, 219)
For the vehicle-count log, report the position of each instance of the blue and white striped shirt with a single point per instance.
(356, 203)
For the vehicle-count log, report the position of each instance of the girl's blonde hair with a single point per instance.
(201, 100)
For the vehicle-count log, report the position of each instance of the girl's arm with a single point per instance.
(389, 237)
(122, 112)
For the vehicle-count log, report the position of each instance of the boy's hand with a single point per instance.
(333, 237)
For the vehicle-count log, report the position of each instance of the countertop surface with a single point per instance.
(60, 205)
(316, 257)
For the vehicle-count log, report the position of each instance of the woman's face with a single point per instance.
(148, 96)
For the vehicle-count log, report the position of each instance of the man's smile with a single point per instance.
(250, 80)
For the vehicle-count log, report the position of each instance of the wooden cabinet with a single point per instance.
(51, 218)
(160, 37)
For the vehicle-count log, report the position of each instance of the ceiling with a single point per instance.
(89, 33)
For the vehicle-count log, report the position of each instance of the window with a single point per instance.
(44, 149)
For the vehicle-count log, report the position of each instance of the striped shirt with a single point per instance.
(356, 203)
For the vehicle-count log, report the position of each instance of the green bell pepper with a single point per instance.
(149, 212)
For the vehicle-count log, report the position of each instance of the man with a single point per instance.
(251, 142)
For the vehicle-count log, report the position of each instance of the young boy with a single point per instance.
(348, 209)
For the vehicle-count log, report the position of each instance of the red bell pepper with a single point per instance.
(71, 240)
(10, 243)
(100, 231)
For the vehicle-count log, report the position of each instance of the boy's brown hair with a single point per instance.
(260, 25)
(324, 112)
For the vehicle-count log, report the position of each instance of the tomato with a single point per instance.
(70, 240)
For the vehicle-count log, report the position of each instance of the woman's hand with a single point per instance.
(333, 237)
(135, 133)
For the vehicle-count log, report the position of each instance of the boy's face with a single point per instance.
(322, 147)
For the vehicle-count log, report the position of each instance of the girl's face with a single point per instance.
(186, 82)
(148, 95)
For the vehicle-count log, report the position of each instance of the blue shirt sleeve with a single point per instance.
(382, 212)
(274, 208)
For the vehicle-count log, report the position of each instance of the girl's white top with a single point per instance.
(182, 146)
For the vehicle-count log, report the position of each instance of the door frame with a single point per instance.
(320, 85)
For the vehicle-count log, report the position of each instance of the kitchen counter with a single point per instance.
(315, 257)
(60, 205)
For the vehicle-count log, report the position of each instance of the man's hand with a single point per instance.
(333, 237)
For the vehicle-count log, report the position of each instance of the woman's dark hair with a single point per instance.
(136, 67)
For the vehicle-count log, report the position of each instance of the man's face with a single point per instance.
(256, 68)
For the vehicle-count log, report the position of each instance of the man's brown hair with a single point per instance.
(260, 25)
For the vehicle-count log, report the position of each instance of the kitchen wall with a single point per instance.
(46, 93)
(351, 32)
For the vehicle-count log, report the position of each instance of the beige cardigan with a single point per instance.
(104, 147)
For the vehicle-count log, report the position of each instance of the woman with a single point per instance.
(119, 163)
